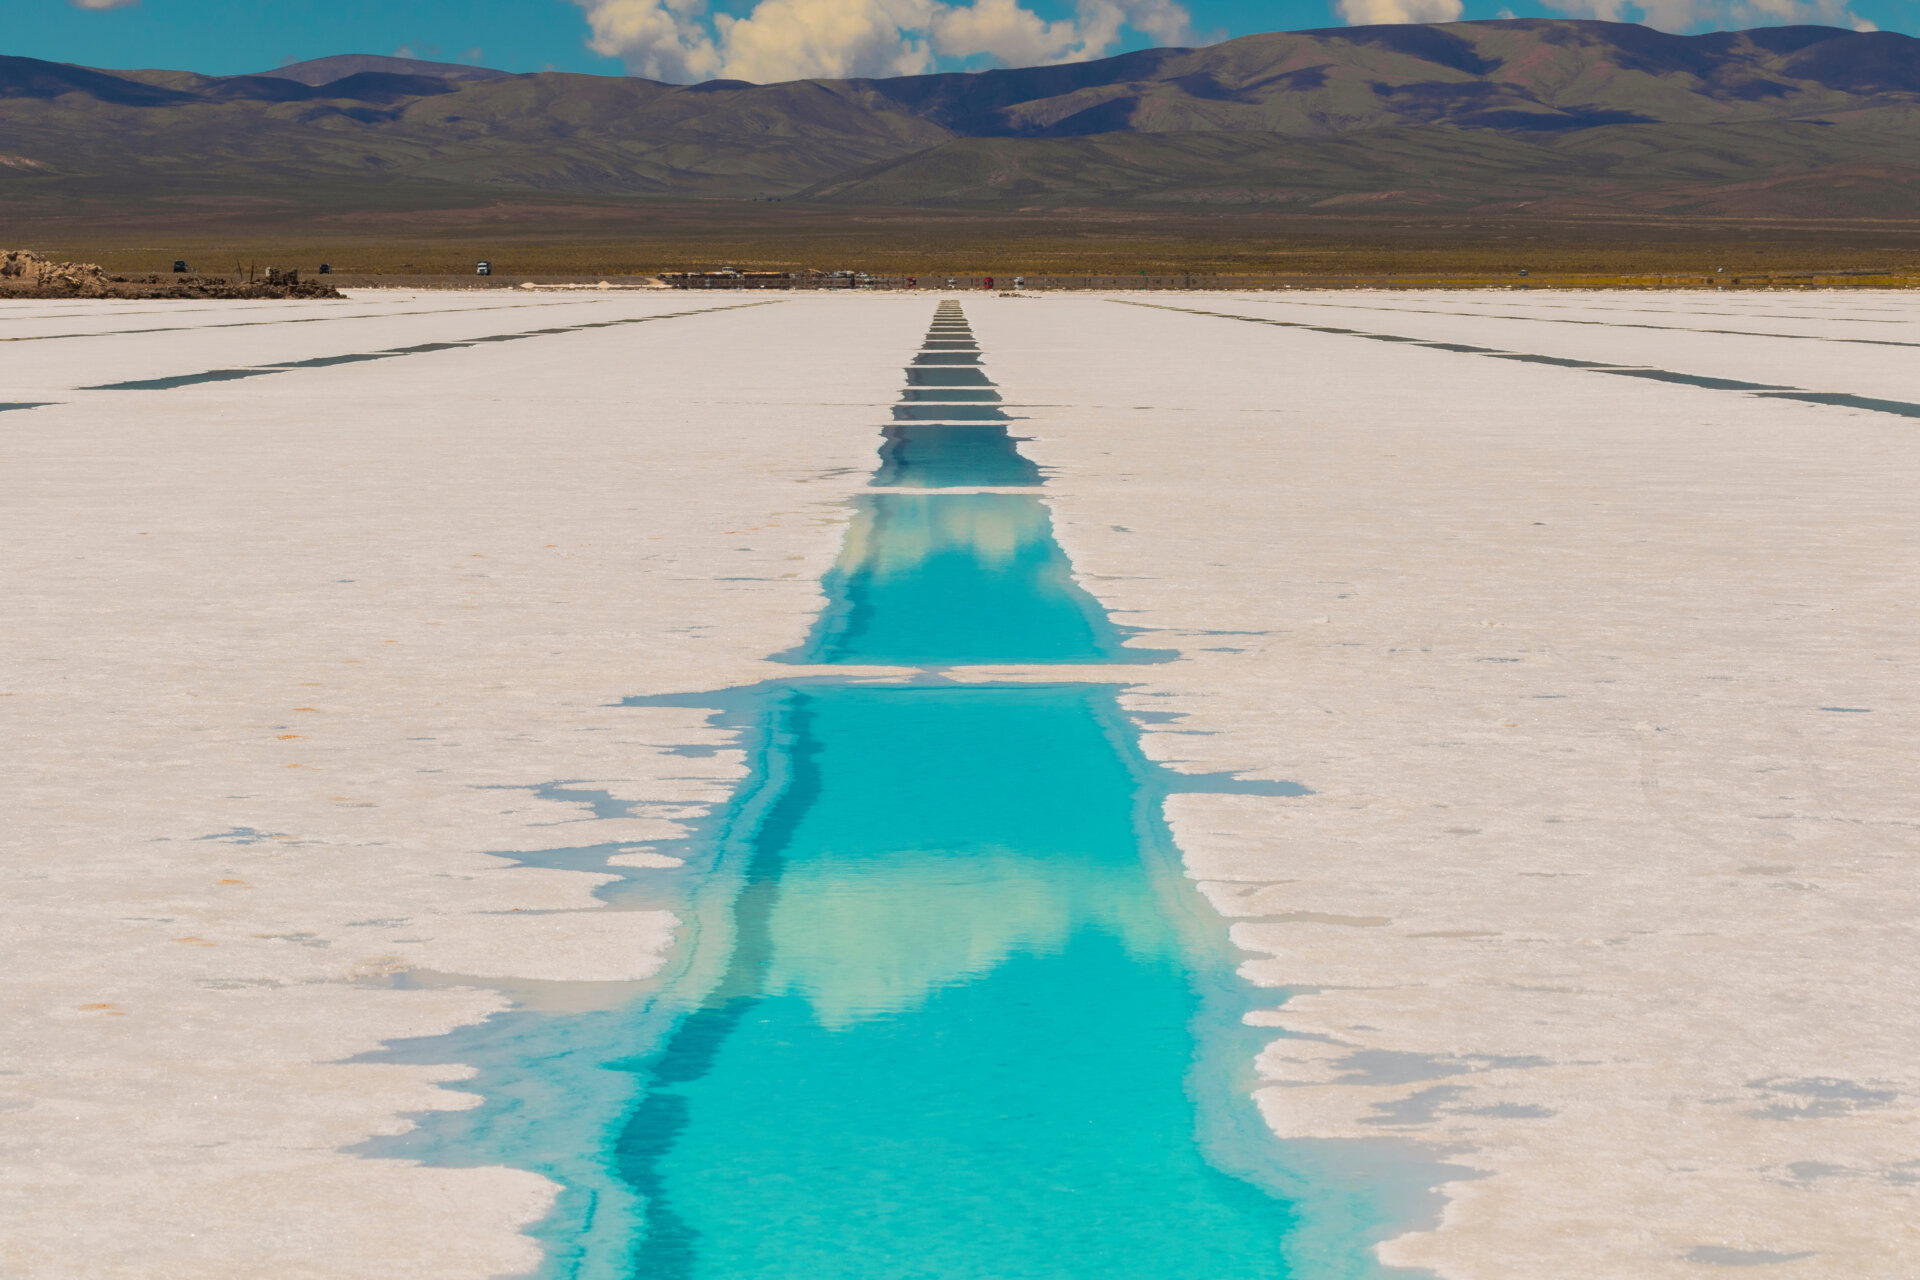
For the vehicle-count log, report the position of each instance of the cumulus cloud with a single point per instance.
(103, 4)
(676, 40)
(800, 39)
(1716, 15)
(1367, 13)
(1013, 36)
(658, 39)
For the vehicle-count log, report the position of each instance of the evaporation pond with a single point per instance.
(929, 455)
(950, 395)
(958, 578)
(948, 378)
(949, 412)
(953, 1038)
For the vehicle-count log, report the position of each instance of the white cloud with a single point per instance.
(1366, 13)
(1013, 36)
(1003, 31)
(1718, 15)
(802, 39)
(103, 4)
(658, 39)
(778, 40)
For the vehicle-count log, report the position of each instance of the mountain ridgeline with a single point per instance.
(1532, 114)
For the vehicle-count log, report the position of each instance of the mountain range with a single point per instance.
(1520, 114)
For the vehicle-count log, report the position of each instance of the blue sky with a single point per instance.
(224, 37)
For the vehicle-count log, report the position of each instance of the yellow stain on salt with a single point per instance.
(107, 1009)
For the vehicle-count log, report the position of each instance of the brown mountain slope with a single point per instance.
(1525, 74)
(1519, 113)
(1867, 166)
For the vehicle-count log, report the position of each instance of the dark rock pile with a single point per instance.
(28, 275)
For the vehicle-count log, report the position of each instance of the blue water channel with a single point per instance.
(946, 1007)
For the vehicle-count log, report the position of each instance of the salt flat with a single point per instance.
(1602, 684)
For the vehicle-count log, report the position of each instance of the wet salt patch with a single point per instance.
(1564, 362)
(1899, 408)
(1695, 380)
(183, 380)
(1714, 1255)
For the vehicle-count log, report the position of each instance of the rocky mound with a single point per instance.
(28, 275)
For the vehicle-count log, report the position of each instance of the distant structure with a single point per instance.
(733, 278)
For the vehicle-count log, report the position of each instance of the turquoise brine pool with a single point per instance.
(943, 579)
(946, 1006)
(955, 1036)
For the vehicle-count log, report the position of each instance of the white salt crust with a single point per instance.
(1592, 898)
(285, 658)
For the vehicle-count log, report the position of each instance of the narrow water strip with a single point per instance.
(946, 1005)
